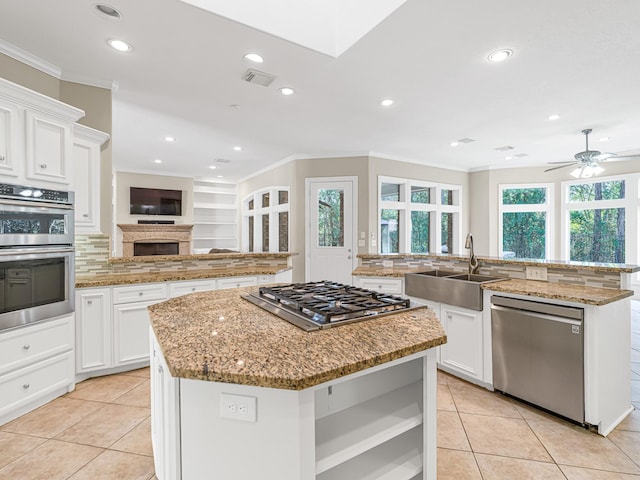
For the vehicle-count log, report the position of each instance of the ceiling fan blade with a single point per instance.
(566, 162)
(617, 158)
(561, 166)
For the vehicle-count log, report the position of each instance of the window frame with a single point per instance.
(547, 207)
(435, 209)
(273, 211)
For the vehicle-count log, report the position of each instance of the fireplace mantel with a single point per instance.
(144, 233)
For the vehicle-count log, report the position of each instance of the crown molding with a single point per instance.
(27, 58)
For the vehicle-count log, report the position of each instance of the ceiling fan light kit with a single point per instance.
(587, 171)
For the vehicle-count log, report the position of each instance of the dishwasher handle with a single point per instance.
(541, 316)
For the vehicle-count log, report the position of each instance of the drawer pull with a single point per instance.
(2, 158)
(85, 215)
(140, 294)
(26, 346)
(193, 289)
(159, 368)
(43, 166)
(26, 386)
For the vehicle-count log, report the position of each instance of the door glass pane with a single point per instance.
(419, 232)
(524, 196)
(390, 192)
(523, 234)
(251, 234)
(389, 241)
(420, 194)
(265, 233)
(283, 231)
(588, 192)
(597, 235)
(447, 232)
(331, 218)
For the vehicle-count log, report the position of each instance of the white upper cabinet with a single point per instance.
(36, 140)
(86, 177)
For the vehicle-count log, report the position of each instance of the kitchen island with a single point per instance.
(239, 393)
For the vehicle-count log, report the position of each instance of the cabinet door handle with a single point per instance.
(193, 289)
(43, 166)
(159, 368)
(26, 346)
(89, 302)
(2, 158)
(449, 317)
(26, 386)
(140, 294)
(85, 215)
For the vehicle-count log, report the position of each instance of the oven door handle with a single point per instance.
(28, 203)
(35, 251)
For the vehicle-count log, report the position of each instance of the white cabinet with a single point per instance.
(177, 289)
(35, 137)
(86, 177)
(215, 216)
(236, 282)
(131, 321)
(36, 365)
(9, 138)
(463, 352)
(93, 329)
(393, 286)
(165, 418)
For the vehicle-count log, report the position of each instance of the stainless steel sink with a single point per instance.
(452, 288)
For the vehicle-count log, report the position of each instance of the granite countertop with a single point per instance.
(92, 281)
(218, 336)
(559, 291)
(387, 271)
(202, 256)
(600, 267)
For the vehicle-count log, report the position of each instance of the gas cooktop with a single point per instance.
(318, 305)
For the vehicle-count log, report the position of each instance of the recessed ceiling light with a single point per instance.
(169, 139)
(555, 116)
(119, 45)
(508, 157)
(254, 57)
(287, 91)
(387, 102)
(157, 160)
(108, 10)
(605, 139)
(237, 148)
(220, 176)
(500, 55)
(212, 167)
(454, 144)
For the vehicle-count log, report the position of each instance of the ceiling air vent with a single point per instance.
(521, 155)
(258, 77)
(466, 140)
(504, 149)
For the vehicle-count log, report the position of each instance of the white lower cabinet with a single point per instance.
(93, 329)
(131, 333)
(463, 352)
(37, 365)
(165, 426)
(177, 289)
(236, 282)
(393, 286)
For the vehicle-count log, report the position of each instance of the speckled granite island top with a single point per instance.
(559, 291)
(218, 336)
(93, 281)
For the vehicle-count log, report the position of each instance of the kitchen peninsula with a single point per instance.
(240, 393)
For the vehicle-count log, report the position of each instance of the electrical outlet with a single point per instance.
(373, 243)
(362, 243)
(536, 273)
(363, 235)
(387, 263)
(238, 407)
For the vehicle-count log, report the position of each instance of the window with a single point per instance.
(595, 217)
(265, 223)
(418, 217)
(525, 221)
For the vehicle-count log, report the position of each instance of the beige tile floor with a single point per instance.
(101, 431)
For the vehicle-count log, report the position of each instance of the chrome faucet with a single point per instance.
(473, 261)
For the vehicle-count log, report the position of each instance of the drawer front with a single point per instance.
(182, 288)
(23, 346)
(18, 273)
(139, 293)
(264, 279)
(236, 282)
(383, 285)
(27, 384)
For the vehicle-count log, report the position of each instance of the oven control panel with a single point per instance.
(20, 192)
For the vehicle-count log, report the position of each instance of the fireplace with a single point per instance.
(155, 239)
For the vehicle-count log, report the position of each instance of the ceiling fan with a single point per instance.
(588, 161)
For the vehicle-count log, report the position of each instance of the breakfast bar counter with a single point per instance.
(232, 382)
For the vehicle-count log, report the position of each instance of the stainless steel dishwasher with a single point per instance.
(538, 354)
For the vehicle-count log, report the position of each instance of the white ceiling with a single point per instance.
(576, 58)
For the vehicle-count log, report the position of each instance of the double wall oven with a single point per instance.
(36, 254)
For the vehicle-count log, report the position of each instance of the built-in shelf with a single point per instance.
(215, 215)
(398, 459)
(349, 433)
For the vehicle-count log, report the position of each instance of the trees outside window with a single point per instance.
(596, 211)
(418, 217)
(526, 220)
(265, 220)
